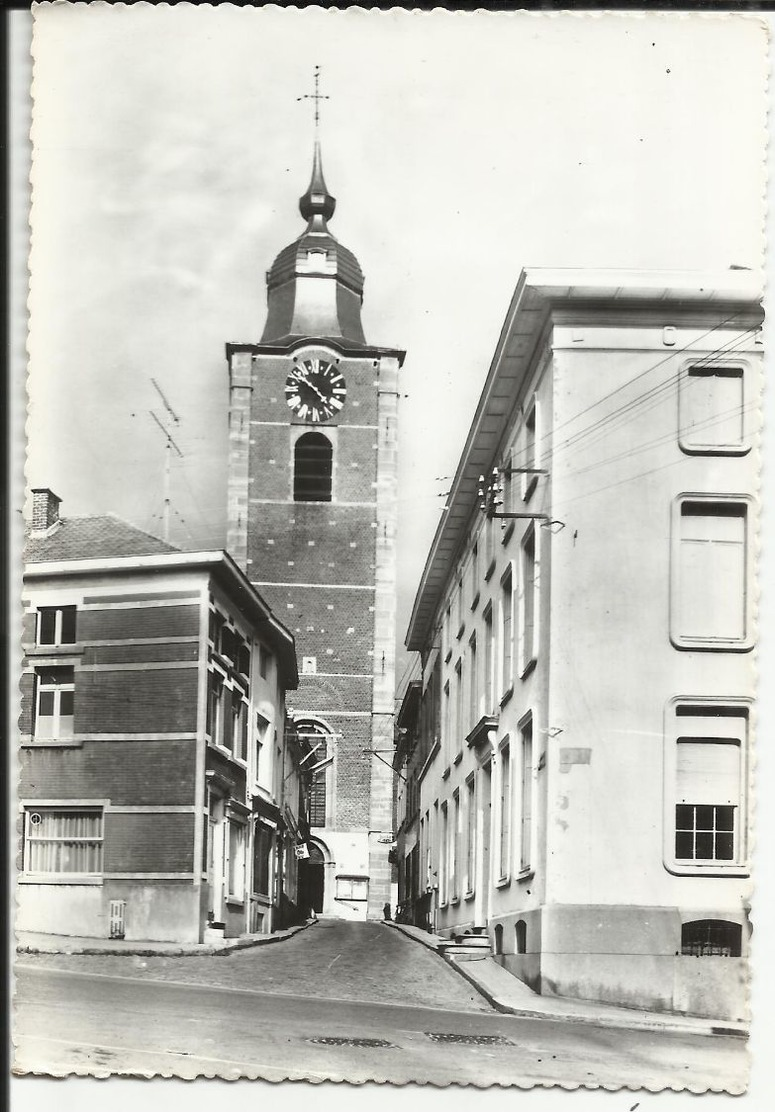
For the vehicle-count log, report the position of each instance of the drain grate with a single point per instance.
(469, 1040)
(342, 1040)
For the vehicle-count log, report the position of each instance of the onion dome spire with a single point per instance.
(317, 204)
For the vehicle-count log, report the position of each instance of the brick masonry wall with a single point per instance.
(156, 843)
(150, 621)
(136, 702)
(125, 772)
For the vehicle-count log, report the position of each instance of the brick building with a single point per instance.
(312, 520)
(160, 789)
(585, 625)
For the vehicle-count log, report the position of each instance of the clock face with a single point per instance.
(315, 390)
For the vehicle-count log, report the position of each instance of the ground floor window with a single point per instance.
(704, 938)
(352, 887)
(262, 849)
(66, 840)
(237, 860)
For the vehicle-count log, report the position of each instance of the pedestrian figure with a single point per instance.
(386, 911)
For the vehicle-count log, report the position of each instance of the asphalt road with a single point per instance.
(79, 1021)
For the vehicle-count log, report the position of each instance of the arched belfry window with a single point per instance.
(316, 737)
(313, 459)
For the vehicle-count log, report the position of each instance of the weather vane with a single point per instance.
(317, 96)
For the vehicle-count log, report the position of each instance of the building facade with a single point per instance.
(161, 791)
(312, 521)
(585, 623)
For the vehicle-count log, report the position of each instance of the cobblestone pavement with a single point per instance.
(333, 959)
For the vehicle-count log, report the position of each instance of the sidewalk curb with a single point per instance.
(669, 1026)
(201, 951)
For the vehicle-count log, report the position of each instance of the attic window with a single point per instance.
(316, 258)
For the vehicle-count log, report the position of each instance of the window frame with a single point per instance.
(57, 690)
(506, 660)
(527, 794)
(60, 876)
(716, 369)
(469, 887)
(505, 811)
(58, 612)
(710, 644)
(528, 648)
(703, 706)
(530, 452)
(312, 439)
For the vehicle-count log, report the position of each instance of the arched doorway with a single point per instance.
(312, 873)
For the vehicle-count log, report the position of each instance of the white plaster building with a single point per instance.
(586, 719)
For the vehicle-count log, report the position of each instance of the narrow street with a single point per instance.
(352, 1001)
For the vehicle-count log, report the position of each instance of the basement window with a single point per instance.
(706, 938)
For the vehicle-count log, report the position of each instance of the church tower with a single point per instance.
(312, 520)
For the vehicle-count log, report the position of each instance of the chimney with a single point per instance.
(45, 509)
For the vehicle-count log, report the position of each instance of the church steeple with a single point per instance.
(315, 285)
(317, 204)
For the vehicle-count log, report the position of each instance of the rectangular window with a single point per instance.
(526, 811)
(239, 726)
(529, 600)
(489, 546)
(237, 860)
(489, 661)
(447, 725)
(454, 847)
(56, 625)
(352, 888)
(473, 684)
(470, 834)
(530, 454)
(506, 633)
(63, 840)
(710, 581)
(460, 718)
(712, 409)
(54, 703)
(443, 858)
(708, 773)
(459, 606)
(262, 752)
(446, 637)
(504, 818)
(508, 487)
(262, 849)
(474, 575)
(264, 657)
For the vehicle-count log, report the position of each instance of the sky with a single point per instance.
(170, 153)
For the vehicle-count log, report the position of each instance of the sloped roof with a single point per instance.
(93, 538)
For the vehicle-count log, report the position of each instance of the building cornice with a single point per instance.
(293, 343)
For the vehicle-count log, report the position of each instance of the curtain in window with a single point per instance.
(64, 842)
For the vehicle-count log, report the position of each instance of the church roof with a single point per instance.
(92, 538)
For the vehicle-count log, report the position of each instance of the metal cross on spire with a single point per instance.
(317, 96)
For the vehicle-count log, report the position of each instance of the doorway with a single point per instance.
(312, 878)
(216, 872)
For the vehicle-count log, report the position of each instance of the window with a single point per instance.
(262, 725)
(239, 726)
(66, 840)
(706, 938)
(459, 707)
(710, 605)
(470, 835)
(473, 684)
(711, 409)
(352, 888)
(530, 454)
(237, 860)
(264, 657)
(504, 817)
(446, 724)
(498, 941)
(526, 811)
(489, 546)
(707, 766)
(243, 660)
(459, 606)
(312, 468)
(443, 856)
(446, 646)
(520, 936)
(318, 794)
(489, 660)
(528, 609)
(215, 710)
(507, 487)
(56, 625)
(506, 633)
(454, 847)
(474, 575)
(262, 849)
(54, 703)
